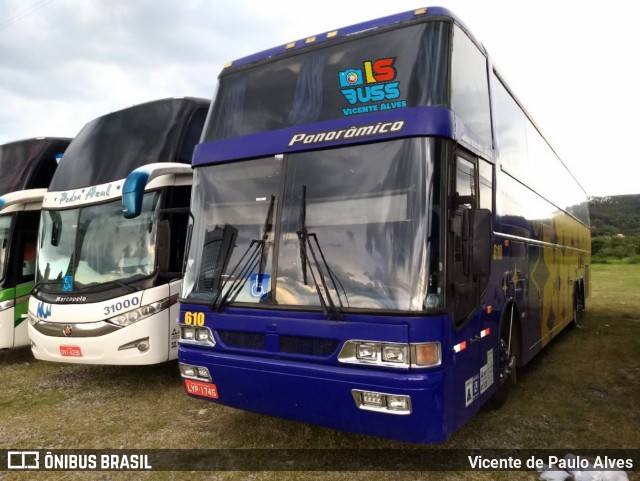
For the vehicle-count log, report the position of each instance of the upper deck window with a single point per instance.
(469, 89)
(394, 69)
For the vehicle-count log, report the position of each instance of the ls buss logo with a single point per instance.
(374, 85)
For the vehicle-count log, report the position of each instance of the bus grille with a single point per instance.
(244, 340)
(308, 346)
(311, 346)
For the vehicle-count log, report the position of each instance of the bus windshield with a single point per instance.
(89, 246)
(374, 211)
(395, 68)
(5, 231)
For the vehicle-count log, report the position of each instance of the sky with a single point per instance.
(574, 66)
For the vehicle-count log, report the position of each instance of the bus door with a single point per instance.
(19, 275)
(465, 290)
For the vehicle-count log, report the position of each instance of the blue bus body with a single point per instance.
(455, 265)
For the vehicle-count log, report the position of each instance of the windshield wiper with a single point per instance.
(255, 256)
(329, 308)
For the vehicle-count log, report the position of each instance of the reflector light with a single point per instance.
(460, 347)
(485, 332)
(428, 354)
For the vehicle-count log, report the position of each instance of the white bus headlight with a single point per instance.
(128, 318)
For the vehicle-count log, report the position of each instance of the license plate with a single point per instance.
(71, 351)
(199, 388)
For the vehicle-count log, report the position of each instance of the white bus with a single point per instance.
(26, 168)
(111, 239)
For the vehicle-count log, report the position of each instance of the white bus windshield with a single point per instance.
(95, 245)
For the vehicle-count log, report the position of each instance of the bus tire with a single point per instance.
(508, 356)
(578, 304)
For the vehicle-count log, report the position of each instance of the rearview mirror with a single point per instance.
(56, 227)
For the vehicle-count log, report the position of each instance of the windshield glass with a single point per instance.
(373, 210)
(88, 246)
(393, 69)
(5, 231)
(231, 203)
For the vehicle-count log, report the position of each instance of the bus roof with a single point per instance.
(112, 145)
(29, 163)
(344, 32)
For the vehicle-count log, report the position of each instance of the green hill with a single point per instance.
(618, 214)
(615, 228)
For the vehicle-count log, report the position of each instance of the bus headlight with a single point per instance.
(367, 351)
(394, 353)
(142, 312)
(387, 354)
(197, 335)
(200, 373)
(382, 402)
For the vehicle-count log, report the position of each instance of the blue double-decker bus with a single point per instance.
(381, 236)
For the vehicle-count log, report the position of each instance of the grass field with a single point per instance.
(581, 392)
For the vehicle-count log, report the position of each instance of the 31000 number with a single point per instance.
(121, 305)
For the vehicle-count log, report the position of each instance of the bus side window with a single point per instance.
(29, 258)
(465, 184)
(26, 238)
(178, 198)
(485, 172)
(465, 198)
